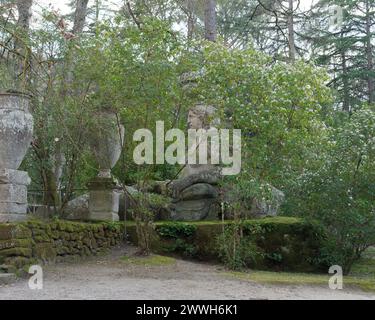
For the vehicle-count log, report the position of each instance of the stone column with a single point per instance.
(106, 143)
(16, 130)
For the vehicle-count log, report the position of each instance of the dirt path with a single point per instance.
(110, 278)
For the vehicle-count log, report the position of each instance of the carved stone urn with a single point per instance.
(16, 131)
(106, 143)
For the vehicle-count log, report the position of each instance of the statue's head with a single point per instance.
(200, 117)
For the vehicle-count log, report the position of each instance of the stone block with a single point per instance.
(104, 205)
(13, 209)
(13, 193)
(12, 217)
(14, 177)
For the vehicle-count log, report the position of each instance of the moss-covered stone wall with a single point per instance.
(31, 242)
(286, 244)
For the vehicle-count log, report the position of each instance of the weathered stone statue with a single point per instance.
(195, 195)
(106, 143)
(16, 130)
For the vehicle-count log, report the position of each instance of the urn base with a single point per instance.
(13, 195)
(104, 200)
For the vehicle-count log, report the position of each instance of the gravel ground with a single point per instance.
(109, 278)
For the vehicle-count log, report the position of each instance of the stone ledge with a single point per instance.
(18, 215)
(12, 210)
(13, 193)
(9, 176)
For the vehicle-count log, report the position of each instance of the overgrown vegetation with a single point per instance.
(339, 193)
(144, 221)
(236, 250)
(181, 235)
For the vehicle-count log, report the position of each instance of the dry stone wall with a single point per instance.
(32, 242)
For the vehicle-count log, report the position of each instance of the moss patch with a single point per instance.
(152, 260)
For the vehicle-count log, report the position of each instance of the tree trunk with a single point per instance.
(291, 40)
(369, 55)
(23, 25)
(191, 19)
(346, 103)
(210, 20)
(24, 13)
(80, 16)
(51, 193)
(346, 100)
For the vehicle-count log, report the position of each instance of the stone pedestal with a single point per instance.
(16, 131)
(104, 200)
(13, 195)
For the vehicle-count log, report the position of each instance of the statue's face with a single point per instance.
(195, 120)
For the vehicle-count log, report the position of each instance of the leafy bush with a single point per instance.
(176, 230)
(340, 192)
(236, 249)
(180, 233)
(144, 221)
(278, 107)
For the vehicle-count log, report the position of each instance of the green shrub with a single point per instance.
(181, 234)
(340, 193)
(176, 230)
(236, 249)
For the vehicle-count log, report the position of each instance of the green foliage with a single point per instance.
(6, 79)
(277, 106)
(235, 249)
(176, 230)
(183, 247)
(181, 234)
(340, 195)
(345, 50)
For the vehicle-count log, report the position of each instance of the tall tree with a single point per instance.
(210, 20)
(24, 13)
(345, 46)
(23, 27)
(80, 16)
(291, 31)
(369, 32)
